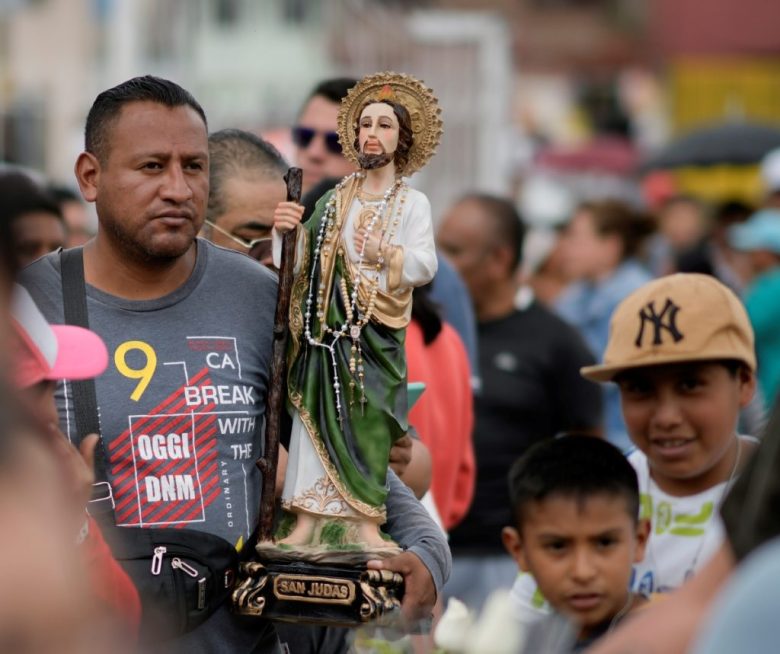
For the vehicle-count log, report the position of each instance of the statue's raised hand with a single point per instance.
(287, 216)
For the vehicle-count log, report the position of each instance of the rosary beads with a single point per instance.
(326, 242)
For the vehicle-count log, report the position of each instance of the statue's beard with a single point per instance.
(372, 161)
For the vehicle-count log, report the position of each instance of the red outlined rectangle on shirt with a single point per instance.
(167, 475)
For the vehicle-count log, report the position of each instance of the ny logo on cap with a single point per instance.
(666, 320)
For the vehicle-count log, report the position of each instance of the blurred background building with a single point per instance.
(584, 90)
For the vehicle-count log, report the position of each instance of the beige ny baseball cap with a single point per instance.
(674, 319)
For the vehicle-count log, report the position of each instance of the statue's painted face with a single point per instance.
(378, 130)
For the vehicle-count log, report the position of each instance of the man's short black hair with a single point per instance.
(508, 227)
(334, 89)
(572, 466)
(148, 88)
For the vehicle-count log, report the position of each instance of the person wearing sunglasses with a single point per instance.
(317, 148)
(246, 179)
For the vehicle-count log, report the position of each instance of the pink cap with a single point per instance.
(51, 352)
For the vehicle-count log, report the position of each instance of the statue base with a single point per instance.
(318, 593)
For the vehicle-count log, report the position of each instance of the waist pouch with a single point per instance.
(182, 575)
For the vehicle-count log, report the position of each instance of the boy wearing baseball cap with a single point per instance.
(681, 352)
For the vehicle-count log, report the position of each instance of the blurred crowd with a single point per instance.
(530, 291)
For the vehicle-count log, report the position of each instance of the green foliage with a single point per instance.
(285, 526)
(334, 532)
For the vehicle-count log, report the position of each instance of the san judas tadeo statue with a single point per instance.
(367, 245)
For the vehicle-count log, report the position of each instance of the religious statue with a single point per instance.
(368, 244)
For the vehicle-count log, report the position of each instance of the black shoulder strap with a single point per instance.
(85, 409)
(74, 299)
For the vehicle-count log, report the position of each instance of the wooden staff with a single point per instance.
(277, 392)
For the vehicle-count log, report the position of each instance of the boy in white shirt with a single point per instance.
(681, 352)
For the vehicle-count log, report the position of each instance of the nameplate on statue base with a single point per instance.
(318, 593)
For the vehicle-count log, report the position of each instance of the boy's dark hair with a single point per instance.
(733, 368)
(573, 466)
(106, 107)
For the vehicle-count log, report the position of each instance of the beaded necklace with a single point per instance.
(692, 566)
(329, 231)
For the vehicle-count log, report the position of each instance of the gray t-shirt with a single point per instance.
(181, 406)
(184, 393)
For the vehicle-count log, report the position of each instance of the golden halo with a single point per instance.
(412, 94)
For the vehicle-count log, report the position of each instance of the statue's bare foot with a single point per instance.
(369, 534)
(302, 532)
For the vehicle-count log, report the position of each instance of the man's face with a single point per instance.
(580, 553)
(316, 159)
(249, 212)
(152, 187)
(683, 417)
(465, 238)
(586, 254)
(35, 234)
(682, 223)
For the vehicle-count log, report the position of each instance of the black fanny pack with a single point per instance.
(182, 575)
